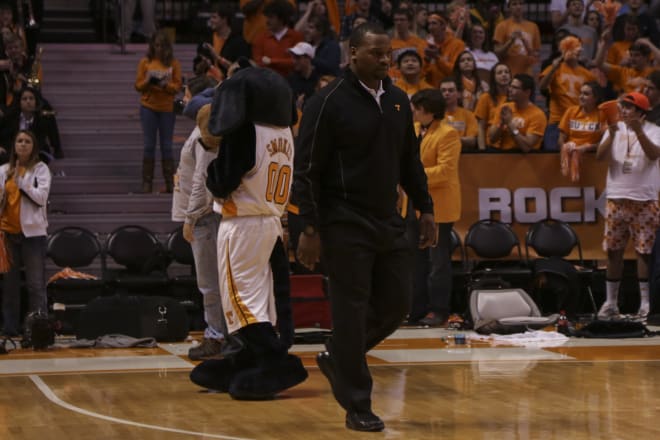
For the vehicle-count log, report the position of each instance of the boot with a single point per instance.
(168, 174)
(147, 175)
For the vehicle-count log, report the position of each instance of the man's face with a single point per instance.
(652, 92)
(274, 24)
(14, 50)
(637, 60)
(635, 4)
(363, 5)
(300, 62)
(629, 111)
(437, 27)
(401, 23)
(516, 93)
(28, 102)
(449, 92)
(516, 8)
(410, 65)
(630, 32)
(312, 33)
(576, 8)
(371, 58)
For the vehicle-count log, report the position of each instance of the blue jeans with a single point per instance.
(161, 125)
(433, 276)
(30, 253)
(205, 254)
(551, 138)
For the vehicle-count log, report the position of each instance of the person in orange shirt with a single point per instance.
(254, 22)
(563, 80)
(440, 152)
(461, 119)
(403, 39)
(471, 87)
(519, 124)
(410, 65)
(627, 79)
(517, 41)
(581, 129)
(158, 80)
(441, 51)
(617, 54)
(500, 79)
(583, 124)
(271, 47)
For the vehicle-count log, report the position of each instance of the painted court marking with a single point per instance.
(50, 395)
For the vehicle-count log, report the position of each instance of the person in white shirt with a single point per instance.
(632, 148)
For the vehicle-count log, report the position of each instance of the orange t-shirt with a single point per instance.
(582, 128)
(155, 97)
(617, 52)
(627, 79)
(485, 106)
(10, 221)
(450, 48)
(530, 120)
(517, 57)
(463, 121)
(411, 89)
(564, 88)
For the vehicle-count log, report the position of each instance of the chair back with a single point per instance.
(179, 249)
(552, 238)
(501, 303)
(73, 246)
(133, 246)
(492, 239)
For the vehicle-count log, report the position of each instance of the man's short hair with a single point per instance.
(406, 53)
(526, 82)
(281, 9)
(643, 49)
(568, 2)
(451, 79)
(359, 33)
(431, 101)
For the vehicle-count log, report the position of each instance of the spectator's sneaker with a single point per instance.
(209, 348)
(455, 322)
(608, 312)
(432, 319)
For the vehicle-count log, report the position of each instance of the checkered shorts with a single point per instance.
(625, 218)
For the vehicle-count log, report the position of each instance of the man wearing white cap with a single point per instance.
(304, 77)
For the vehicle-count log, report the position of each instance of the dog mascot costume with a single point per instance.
(250, 179)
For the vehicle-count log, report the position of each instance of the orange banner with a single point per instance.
(521, 189)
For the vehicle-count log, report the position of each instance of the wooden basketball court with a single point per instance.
(423, 389)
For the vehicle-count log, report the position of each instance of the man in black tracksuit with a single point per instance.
(356, 143)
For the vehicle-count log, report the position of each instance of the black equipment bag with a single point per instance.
(162, 318)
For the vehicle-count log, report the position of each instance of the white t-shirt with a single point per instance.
(632, 175)
(484, 60)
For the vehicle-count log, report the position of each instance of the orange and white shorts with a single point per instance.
(631, 218)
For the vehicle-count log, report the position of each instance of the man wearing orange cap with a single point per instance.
(632, 148)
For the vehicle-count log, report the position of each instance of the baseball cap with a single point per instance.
(303, 48)
(638, 100)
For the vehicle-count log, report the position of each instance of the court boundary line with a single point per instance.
(50, 395)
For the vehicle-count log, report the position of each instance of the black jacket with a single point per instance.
(350, 156)
(234, 47)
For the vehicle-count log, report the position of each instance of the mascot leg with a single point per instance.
(274, 370)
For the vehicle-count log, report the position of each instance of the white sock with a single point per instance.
(612, 291)
(644, 297)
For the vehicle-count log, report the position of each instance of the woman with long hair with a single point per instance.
(480, 47)
(581, 128)
(24, 189)
(158, 80)
(35, 114)
(471, 86)
(498, 90)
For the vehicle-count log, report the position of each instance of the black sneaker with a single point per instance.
(208, 349)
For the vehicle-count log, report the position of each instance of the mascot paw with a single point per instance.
(263, 383)
(214, 374)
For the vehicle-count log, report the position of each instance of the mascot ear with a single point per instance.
(228, 109)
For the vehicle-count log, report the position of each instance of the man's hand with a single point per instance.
(427, 231)
(635, 124)
(309, 250)
(188, 232)
(265, 60)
